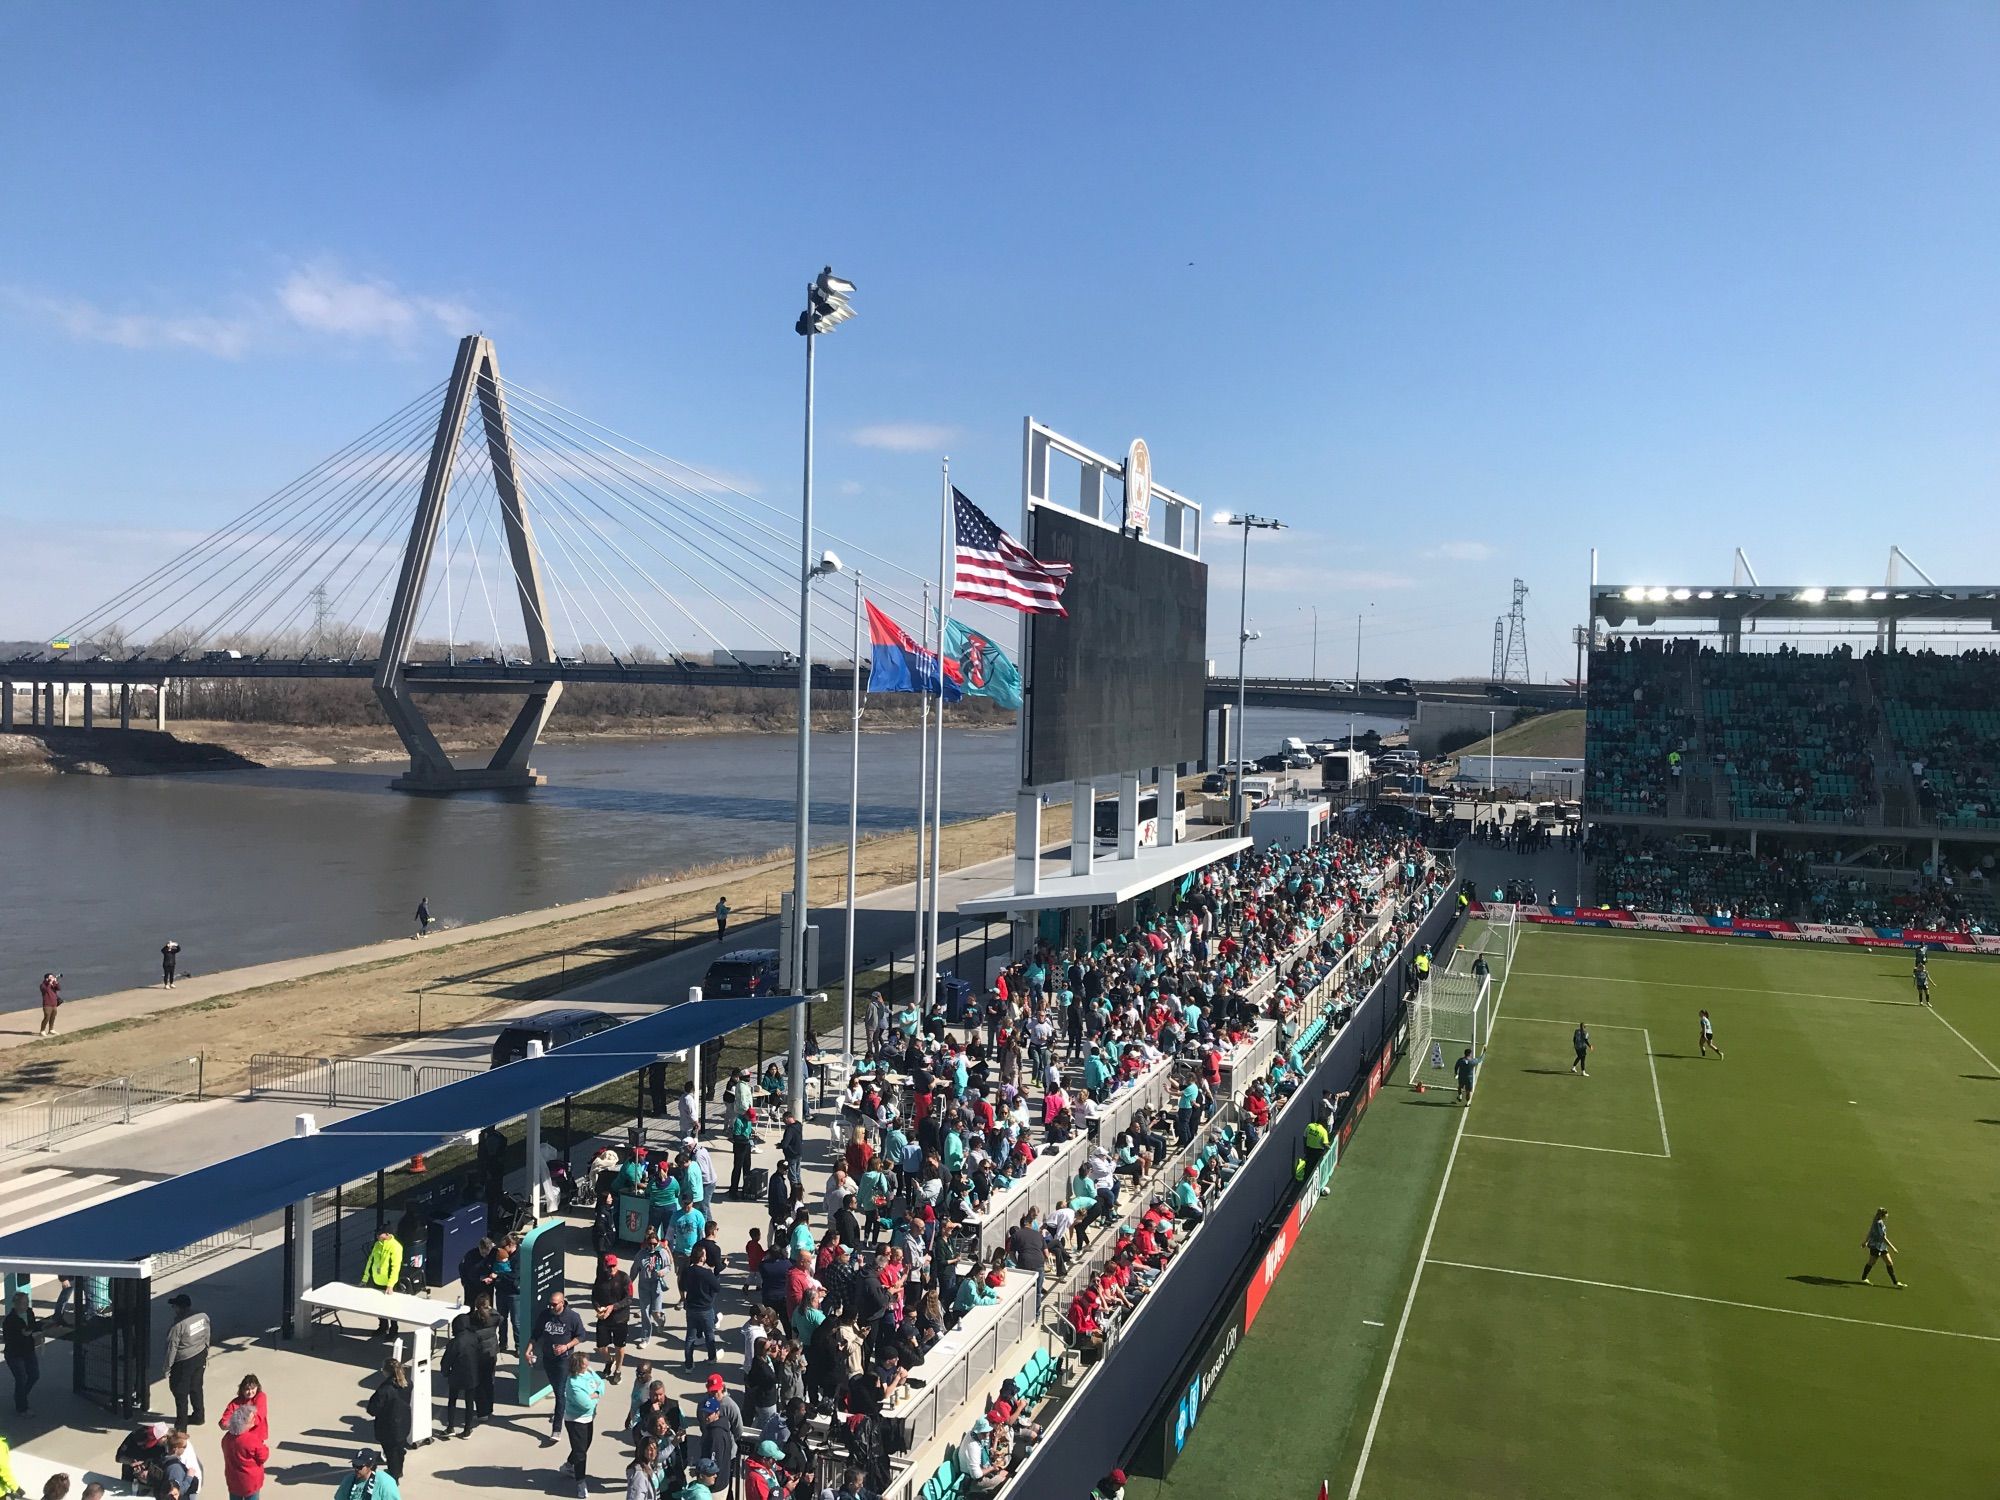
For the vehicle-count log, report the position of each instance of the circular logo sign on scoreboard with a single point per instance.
(1138, 487)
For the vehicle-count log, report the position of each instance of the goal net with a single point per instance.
(1453, 1008)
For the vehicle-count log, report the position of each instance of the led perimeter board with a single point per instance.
(1119, 685)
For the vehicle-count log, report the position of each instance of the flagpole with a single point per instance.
(923, 815)
(853, 838)
(937, 771)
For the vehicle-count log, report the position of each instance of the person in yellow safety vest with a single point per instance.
(1317, 1140)
(1424, 964)
(1463, 902)
(9, 1486)
(383, 1270)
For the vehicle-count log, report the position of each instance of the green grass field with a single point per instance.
(1644, 1283)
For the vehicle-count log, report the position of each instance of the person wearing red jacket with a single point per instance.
(250, 1393)
(246, 1448)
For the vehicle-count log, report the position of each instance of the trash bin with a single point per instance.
(955, 996)
(447, 1240)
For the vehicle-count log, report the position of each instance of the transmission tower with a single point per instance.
(1517, 635)
(321, 612)
(1499, 646)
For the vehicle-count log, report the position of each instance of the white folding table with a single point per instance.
(425, 1318)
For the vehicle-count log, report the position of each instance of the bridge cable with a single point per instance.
(167, 570)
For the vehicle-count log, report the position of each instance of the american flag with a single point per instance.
(992, 566)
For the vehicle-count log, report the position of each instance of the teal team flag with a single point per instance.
(987, 671)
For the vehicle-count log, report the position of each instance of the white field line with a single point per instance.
(1683, 984)
(1653, 1291)
(1567, 1145)
(1965, 1039)
(1659, 1104)
(1555, 1021)
(1416, 1280)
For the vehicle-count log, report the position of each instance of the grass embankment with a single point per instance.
(1557, 733)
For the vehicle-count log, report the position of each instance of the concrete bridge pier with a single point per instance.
(89, 707)
(160, 708)
(124, 705)
(6, 707)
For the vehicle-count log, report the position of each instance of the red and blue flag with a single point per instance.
(900, 665)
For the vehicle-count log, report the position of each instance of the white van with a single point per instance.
(1257, 790)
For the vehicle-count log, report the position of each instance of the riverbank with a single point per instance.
(359, 1000)
(221, 745)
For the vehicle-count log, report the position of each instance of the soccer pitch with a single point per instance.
(1644, 1282)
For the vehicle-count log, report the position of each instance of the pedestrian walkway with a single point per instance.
(19, 1027)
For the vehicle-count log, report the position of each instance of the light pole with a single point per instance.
(1315, 614)
(1244, 636)
(853, 838)
(826, 309)
(1492, 730)
(1357, 649)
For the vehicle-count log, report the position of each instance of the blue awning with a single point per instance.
(121, 1236)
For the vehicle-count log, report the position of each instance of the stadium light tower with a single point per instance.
(826, 309)
(1244, 637)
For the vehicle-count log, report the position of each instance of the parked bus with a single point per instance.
(1105, 822)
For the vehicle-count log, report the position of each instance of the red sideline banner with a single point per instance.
(1753, 927)
(1275, 1256)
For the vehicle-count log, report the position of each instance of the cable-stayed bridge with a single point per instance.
(484, 538)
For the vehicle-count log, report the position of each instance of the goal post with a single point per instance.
(1453, 1010)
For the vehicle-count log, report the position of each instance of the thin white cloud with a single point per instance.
(1462, 551)
(320, 298)
(904, 437)
(850, 486)
(224, 337)
(316, 299)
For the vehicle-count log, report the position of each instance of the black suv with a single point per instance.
(742, 975)
(553, 1029)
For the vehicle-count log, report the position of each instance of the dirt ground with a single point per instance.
(362, 1009)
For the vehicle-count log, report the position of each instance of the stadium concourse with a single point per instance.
(908, 1284)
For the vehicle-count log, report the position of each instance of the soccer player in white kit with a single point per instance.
(1708, 1036)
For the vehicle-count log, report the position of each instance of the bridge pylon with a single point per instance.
(475, 381)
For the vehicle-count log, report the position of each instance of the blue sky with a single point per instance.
(1458, 291)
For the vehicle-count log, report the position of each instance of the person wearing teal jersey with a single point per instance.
(973, 1292)
(580, 1395)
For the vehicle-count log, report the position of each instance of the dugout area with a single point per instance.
(1644, 1282)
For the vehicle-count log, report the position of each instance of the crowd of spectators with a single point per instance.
(1787, 732)
(852, 1284)
(1637, 725)
(1794, 736)
(1690, 875)
(1943, 714)
(1191, 1029)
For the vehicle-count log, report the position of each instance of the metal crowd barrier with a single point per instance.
(116, 1101)
(335, 1081)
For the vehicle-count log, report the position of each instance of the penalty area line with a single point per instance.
(1653, 1291)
